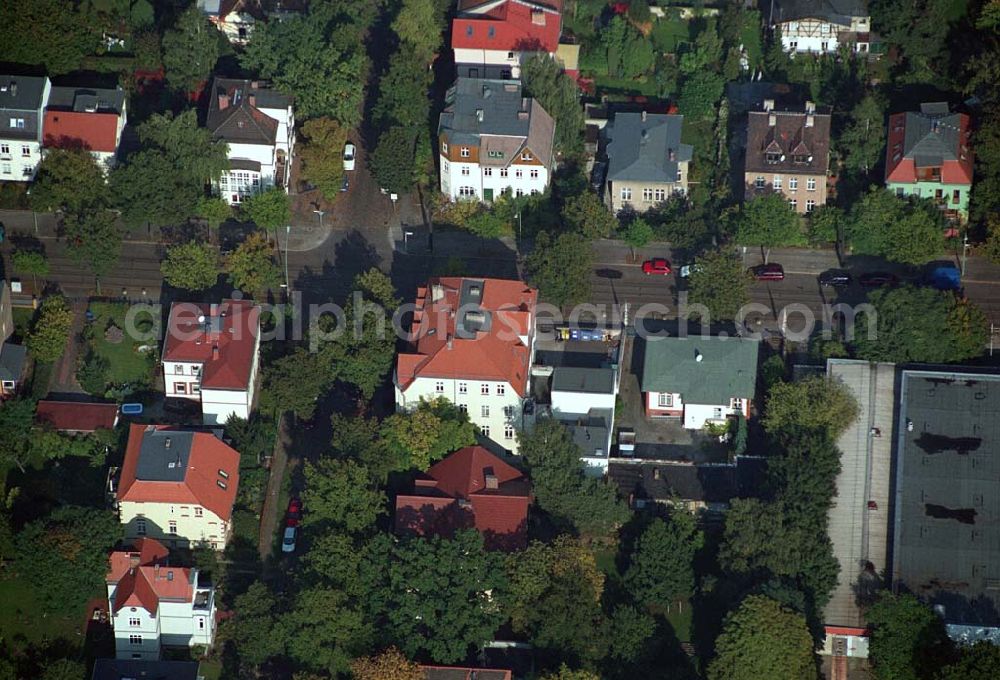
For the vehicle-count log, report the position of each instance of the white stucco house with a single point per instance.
(493, 38)
(699, 379)
(178, 485)
(153, 604)
(258, 124)
(211, 356)
(492, 139)
(22, 105)
(91, 118)
(471, 342)
(822, 26)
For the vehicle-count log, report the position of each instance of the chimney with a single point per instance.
(253, 100)
(133, 560)
(671, 155)
(772, 120)
(810, 120)
(522, 115)
(223, 101)
(810, 107)
(769, 105)
(643, 116)
(656, 473)
(479, 115)
(166, 443)
(215, 352)
(491, 479)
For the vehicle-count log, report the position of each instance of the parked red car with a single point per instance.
(294, 512)
(658, 265)
(768, 272)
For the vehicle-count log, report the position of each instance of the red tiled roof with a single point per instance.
(235, 338)
(459, 673)
(143, 552)
(200, 484)
(143, 577)
(72, 416)
(512, 27)
(901, 166)
(94, 131)
(495, 354)
(454, 495)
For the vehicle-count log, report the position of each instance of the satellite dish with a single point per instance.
(201, 319)
(809, 159)
(782, 158)
(698, 356)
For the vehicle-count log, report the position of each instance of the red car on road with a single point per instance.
(294, 512)
(658, 265)
(768, 272)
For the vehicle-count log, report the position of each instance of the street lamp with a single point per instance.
(965, 250)
(288, 231)
(406, 234)
(519, 226)
(320, 213)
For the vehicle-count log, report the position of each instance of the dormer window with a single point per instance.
(801, 159)
(495, 154)
(444, 147)
(465, 153)
(526, 156)
(468, 30)
(772, 157)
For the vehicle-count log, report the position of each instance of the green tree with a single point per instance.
(316, 62)
(253, 438)
(190, 50)
(197, 157)
(561, 267)
(69, 180)
(908, 640)
(254, 628)
(93, 374)
(191, 266)
(981, 661)
(545, 81)
(30, 262)
(148, 189)
(251, 267)
(564, 673)
(50, 330)
(554, 598)
(419, 25)
(63, 669)
(392, 162)
(93, 239)
(488, 223)
(436, 595)
(661, 567)
(861, 142)
(825, 224)
(340, 494)
(638, 57)
(631, 632)
(386, 665)
(815, 403)
(214, 211)
(561, 487)
(762, 639)
(904, 230)
(428, 433)
(700, 95)
(325, 631)
(268, 209)
(587, 214)
(769, 222)
(321, 151)
(52, 33)
(294, 383)
(66, 554)
(17, 416)
(705, 54)
(638, 234)
(920, 325)
(402, 98)
(719, 281)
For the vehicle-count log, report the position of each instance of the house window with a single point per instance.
(795, 204)
(26, 151)
(526, 156)
(491, 32)
(534, 174)
(172, 527)
(465, 171)
(463, 388)
(519, 191)
(508, 411)
(626, 193)
(519, 173)
(485, 429)
(501, 390)
(503, 172)
(465, 153)
(135, 623)
(439, 387)
(464, 408)
(510, 56)
(180, 388)
(810, 205)
(468, 30)
(665, 400)
(199, 512)
(823, 46)
(535, 192)
(793, 44)
(484, 388)
(466, 192)
(140, 526)
(824, 29)
(899, 192)
(736, 404)
(444, 148)
(135, 639)
(793, 183)
(778, 181)
(717, 412)
(179, 369)
(811, 184)
(772, 157)
(508, 432)
(195, 389)
(6, 168)
(201, 624)
(758, 182)
(485, 411)
(5, 149)
(647, 195)
(801, 159)
(487, 172)
(9, 385)
(495, 154)
(17, 123)
(659, 195)
(956, 196)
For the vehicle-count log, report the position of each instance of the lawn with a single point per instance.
(127, 364)
(22, 320)
(21, 623)
(679, 617)
(620, 86)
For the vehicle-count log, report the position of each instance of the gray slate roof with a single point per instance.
(134, 669)
(12, 361)
(504, 112)
(640, 150)
(592, 380)
(932, 135)
(164, 455)
(712, 483)
(239, 121)
(834, 11)
(21, 93)
(589, 430)
(87, 98)
(728, 368)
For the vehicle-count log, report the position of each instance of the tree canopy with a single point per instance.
(191, 266)
(815, 403)
(69, 180)
(661, 568)
(52, 33)
(392, 162)
(904, 230)
(545, 81)
(294, 383)
(428, 433)
(719, 281)
(340, 495)
(561, 266)
(587, 214)
(268, 209)
(190, 50)
(907, 638)
(251, 267)
(50, 330)
(321, 151)
(769, 222)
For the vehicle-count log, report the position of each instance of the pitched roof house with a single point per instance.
(22, 105)
(788, 151)
(471, 342)
(178, 485)
(76, 417)
(929, 155)
(700, 379)
(823, 26)
(457, 673)
(210, 355)
(492, 38)
(493, 139)
(705, 487)
(471, 488)
(647, 163)
(138, 669)
(88, 118)
(258, 125)
(154, 604)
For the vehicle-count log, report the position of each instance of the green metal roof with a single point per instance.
(728, 368)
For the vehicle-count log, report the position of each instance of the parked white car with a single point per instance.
(288, 542)
(350, 151)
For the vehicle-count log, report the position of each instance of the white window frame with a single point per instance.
(464, 152)
(463, 388)
(533, 173)
(487, 172)
(465, 171)
(778, 181)
(484, 389)
(626, 193)
(647, 194)
(134, 622)
(484, 411)
(501, 390)
(25, 151)
(503, 172)
(519, 173)
(811, 184)
(485, 429)
(508, 432)
(135, 639)
(795, 204)
(665, 400)
(140, 526)
(759, 182)
(793, 183)
(439, 387)
(810, 205)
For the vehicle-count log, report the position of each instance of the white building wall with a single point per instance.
(234, 186)
(218, 405)
(473, 399)
(148, 630)
(194, 524)
(188, 374)
(181, 625)
(653, 401)
(580, 402)
(15, 164)
(696, 415)
(517, 178)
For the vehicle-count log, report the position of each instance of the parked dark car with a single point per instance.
(875, 279)
(768, 272)
(836, 278)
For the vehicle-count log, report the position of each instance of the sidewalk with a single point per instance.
(269, 514)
